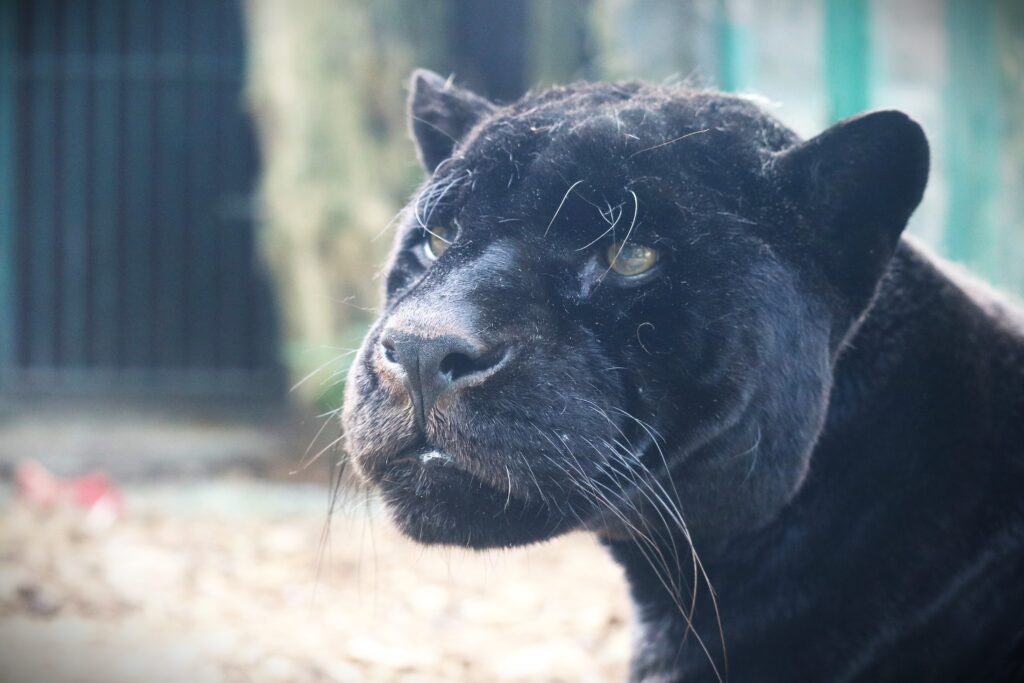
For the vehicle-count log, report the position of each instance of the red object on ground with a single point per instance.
(89, 492)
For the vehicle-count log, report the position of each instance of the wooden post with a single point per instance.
(488, 41)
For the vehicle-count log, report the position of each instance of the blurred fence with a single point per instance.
(127, 170)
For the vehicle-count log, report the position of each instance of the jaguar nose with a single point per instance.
(432, 367)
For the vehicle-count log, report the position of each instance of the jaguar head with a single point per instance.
(609, 304)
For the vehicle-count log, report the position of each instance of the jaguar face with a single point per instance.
(607, 303)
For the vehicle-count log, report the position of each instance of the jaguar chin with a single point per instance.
(656, 314)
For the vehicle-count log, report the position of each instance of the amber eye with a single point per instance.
(439, 238)
(630, 259)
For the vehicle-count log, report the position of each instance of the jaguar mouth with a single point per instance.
(460, 484)
(424, 460)
(429, 471)
(435, 498)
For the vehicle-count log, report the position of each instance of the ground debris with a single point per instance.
(164, 596)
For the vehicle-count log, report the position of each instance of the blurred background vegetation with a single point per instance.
(195, 195)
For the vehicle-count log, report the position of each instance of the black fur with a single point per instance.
(832, 419)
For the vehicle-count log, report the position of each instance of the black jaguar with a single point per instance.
(654, 313)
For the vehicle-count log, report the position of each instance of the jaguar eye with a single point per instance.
(439, 238)
(630, 259)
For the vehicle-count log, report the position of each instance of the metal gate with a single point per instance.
(127, 167)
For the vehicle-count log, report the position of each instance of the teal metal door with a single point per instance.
(127, 168)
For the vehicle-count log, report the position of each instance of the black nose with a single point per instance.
(435, 366)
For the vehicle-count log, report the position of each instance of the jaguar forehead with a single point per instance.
(433, 319)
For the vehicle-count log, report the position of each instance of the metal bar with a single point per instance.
(106, 194)
(74, 155)
(42, 210)
(171, 171)
(734, 47)
(1010, 40)
(204, 244)
(973, 100)
(847, 55)
(235, 259)
(245, 162)
(237, 254)
(261, 318)
(138, 188)
(8, 159)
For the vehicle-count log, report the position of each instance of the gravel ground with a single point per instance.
(225, 581)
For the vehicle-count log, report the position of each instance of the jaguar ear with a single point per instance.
(856, 185)
(440, 115)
